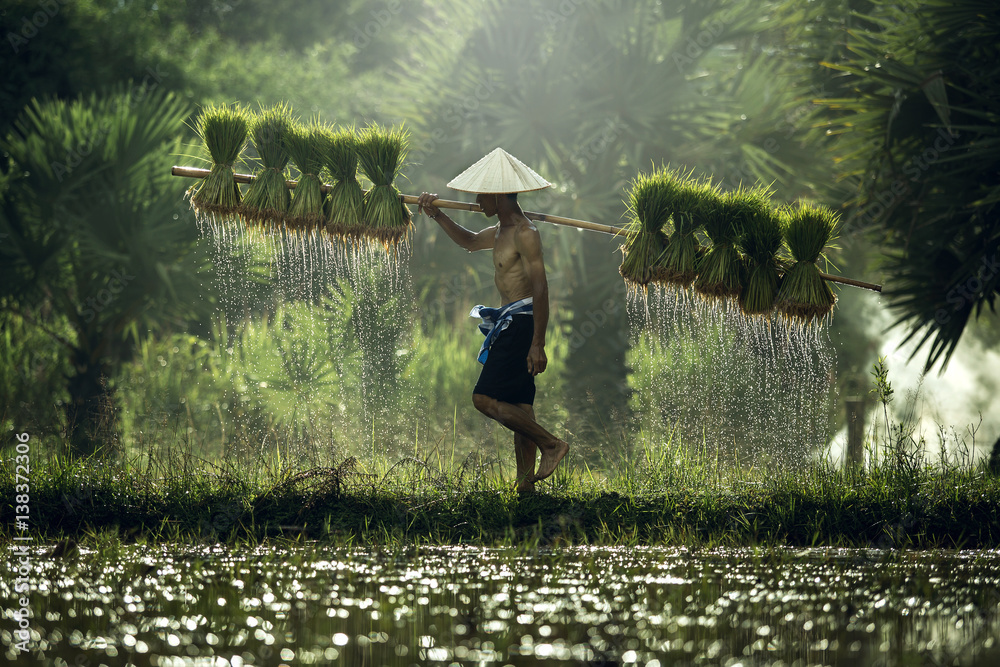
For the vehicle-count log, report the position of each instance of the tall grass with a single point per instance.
(657, 492)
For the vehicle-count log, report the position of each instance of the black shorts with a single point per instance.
(505, 375)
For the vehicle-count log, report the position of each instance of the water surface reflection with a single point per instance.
(460, 605)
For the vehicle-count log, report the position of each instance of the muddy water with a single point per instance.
(308, 604)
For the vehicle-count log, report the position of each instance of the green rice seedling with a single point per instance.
(223, 129)
(760, 242)
(381, 152)
(649, 201)
(345, 206)
(680, 257)
(721, 271)
(804, 294)
(640, 253)
(708, 204)
(307, 145)
(267, 199)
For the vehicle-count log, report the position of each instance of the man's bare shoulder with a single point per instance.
(527, 239)
(525, 227)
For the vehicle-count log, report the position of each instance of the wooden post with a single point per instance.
(855, 408)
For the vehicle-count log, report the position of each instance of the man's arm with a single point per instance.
(465, 238)
(529, 246)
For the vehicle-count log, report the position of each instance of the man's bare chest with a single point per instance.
(505, 254)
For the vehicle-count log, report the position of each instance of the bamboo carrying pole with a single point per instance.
(194, 172)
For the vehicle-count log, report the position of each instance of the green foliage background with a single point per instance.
(211, 354)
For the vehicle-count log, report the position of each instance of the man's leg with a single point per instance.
(525, 452)
(523, 423)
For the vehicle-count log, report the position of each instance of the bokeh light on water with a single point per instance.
(458, 605)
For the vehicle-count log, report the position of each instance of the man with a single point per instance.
(514, 350)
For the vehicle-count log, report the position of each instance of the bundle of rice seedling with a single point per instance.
(267, 199)
(223, 129)
(707, 208)
(721, 271)
(760, 242)
(678, 264)
(381, 152)
(804, 294)
(649, 204)
(307, 145)
(345, 206)
(640, 253)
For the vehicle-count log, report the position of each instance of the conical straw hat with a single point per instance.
(498, 173)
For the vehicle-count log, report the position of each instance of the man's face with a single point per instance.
(488, 203)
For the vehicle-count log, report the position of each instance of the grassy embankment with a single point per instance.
(664, 497)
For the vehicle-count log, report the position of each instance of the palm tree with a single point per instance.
(916, 128)
(97, 252)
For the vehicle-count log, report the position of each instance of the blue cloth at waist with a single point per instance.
(495, 320)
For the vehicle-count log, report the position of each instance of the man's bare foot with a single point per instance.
(525, 484)
(550, 459)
